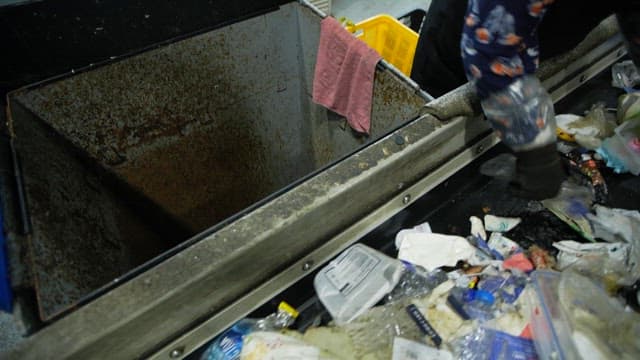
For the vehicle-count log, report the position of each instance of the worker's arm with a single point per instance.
(500, 54)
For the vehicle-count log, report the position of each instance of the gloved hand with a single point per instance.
(522, 115)
(539, 173)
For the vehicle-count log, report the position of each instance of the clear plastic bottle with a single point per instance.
(415, 281)
(228, 345)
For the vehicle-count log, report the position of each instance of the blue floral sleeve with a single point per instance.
(499, 48)
(499, 41)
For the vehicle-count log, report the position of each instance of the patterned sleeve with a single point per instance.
(499, 42)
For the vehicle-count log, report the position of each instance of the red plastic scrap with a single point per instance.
(518, 261)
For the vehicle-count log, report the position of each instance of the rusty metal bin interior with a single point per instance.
(126, 160)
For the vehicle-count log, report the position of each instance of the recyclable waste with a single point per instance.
(480, 297)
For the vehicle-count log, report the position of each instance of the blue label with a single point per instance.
(228, 345)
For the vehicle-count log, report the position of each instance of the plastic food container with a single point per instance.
(549, 324)
(355, 281)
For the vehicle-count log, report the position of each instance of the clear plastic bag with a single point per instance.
(571, 205)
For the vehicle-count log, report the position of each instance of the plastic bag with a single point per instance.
(263, 345)
(572, 206)
(522, 114)
(622, 150)
(612, 261)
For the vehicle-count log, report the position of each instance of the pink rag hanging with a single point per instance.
(343, 80)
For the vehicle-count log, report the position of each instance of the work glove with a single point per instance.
(523, 117)
(539, 173)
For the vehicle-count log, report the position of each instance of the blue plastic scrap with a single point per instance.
(496, 345)
(6, 297)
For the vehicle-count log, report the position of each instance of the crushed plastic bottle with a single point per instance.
(415, 281)
(624, 75)
(228, 345)
(472, 303)
(488, 344)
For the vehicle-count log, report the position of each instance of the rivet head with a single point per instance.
(406, 199)
(479, 149)
(176, 353)
(307, 265)
(399, 140)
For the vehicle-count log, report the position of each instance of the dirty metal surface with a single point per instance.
(84, 234)
(193, 124)
(393, 106)
(190, 134)
(204, 127)
(222, 266)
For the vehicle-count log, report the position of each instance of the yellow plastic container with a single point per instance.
(393, 40)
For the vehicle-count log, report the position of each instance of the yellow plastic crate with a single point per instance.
(393, 40)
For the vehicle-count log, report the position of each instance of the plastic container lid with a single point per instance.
(355, 281)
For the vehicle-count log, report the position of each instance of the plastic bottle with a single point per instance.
(228, 345)
(415, 281)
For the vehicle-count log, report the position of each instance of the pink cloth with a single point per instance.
(343, 80)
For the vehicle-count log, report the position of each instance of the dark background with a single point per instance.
(42, 39)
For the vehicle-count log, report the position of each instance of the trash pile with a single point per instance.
(611, 137)
(479, 297)
(486, 296)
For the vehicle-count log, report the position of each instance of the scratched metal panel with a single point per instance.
(155, 148)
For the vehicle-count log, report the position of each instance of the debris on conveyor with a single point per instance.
(508, 287)
(614, 136)
(625, 75)
(588, 131)
(486, 296)
(622, 150)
